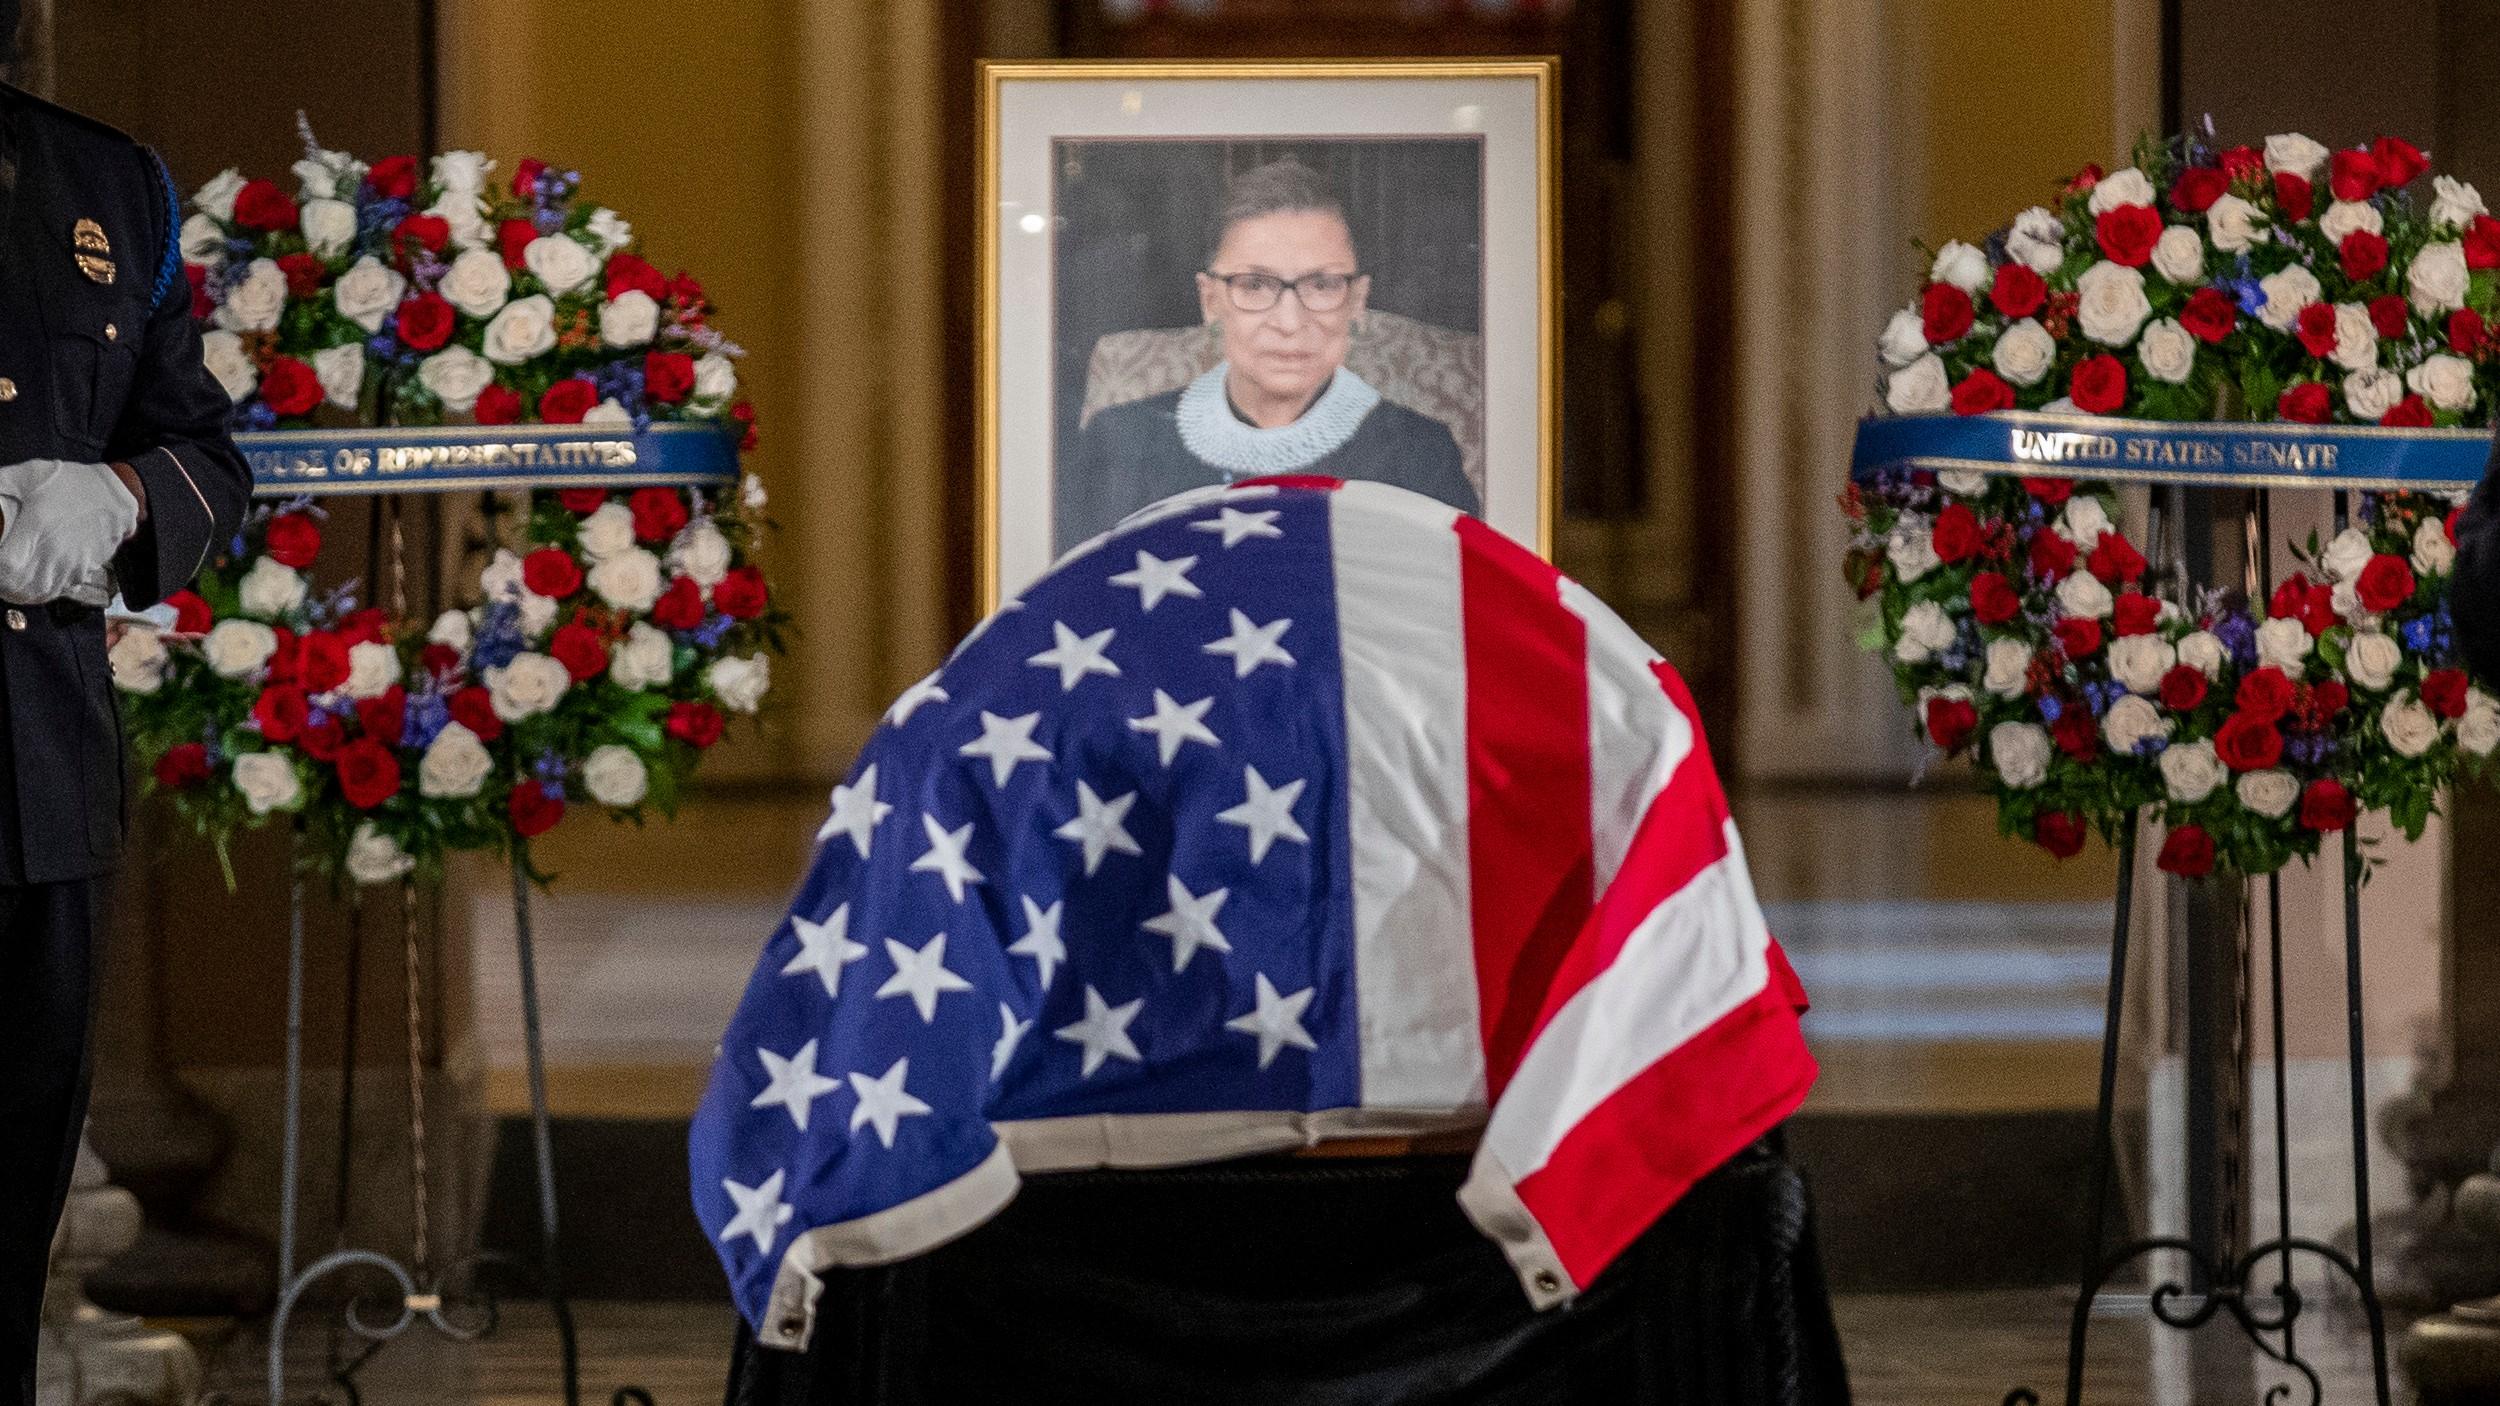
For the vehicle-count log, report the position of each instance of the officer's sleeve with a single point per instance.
(172, 433)
(2474, 592)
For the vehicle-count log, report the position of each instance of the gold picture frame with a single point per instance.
(1504, 401)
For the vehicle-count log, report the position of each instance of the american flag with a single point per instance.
(1289, 811)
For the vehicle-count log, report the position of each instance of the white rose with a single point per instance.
(2284, 644)
(2447, 382)
(630, 319)
(2433, 553)
(2372, 392)
(267, 781)
(609, 228)
(453, 628)
(2083, 522)
(608, 530)
(2020, 753)
(501, 580)
(1966, 483)
(2287, 292)
(2349, 217)
(341, 371)
(140, 660)
(2408, 727)
(645, 658)
(537, 613)
(217, 197)
(2082, 595)
(2345, 600)
(716, 377)
(751, 494)
(316, 180)
(368, 292)
(456, 376)
(329, 226)
(477, 283)
(2293, 154)
(2479, 730)
(740, 683)
(2371, 660)
(2129, 722)
(2191, 771)
(2009, 668)
(2356, 337)
(701, 552)
(2233, 224)
(630, 580)
(615, 776)
(2180, 255)
(1912, 550)
(223, 353)
(2168, 351)
(2454, 204)
(2203, 651)
(560, 262)
(376, 858)
(254, 301)
(270, 588)
(203, 241)
(2347, 554)
(2269, 793)
(2113, 305)
(531, 684)
(1918, 387)
(1962, 266)
(2037, 241)
(2139, 661)
(372, 667)
(1925, 628)
(2438, 278)
(456, 764)
(237, 648)
(610, 412)
(525, 328)
(2024, 352)
(465, 213)
(463, 171)
(2127, 187)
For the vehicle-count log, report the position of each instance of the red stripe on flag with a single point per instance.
(1530, 850)
(1321, 481)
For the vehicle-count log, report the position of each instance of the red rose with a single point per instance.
(304, 273)
(1992, 598)
(567, 401)
(534, 809)
(1956, 534)
(2292, 193)
(2316, 329)
(285, 659)
(680, 607)
(740, 594)
(2352, 175)
(2079, 636)
(2243, 163)
(2364, 255)
(2059, 832)
(393, 177)
(384, 717)
(2411, 412)
(2326, 700)
(687, 292)
(2398, 160)
(427, 232)
(262, 206)
(2188, 852)
(474, 709)
(321, 738)
(2265, 695)
(2128, 233)
(2052, 556)
(2482, 243)
(289, 387)
(583, 501)
(2051, 491)
(2387, 582)
(2388, 316)
(201, 305)
(184, 764)
(2326, 805)
(440, 660)
(2317, 610)
(497, 405)
(2078, 734)
(2466, 331)
(2018, 292)
(321, 661)
(580, 650)
(2209, 314)
(2100, 384)
(697, 724)
(281, 711)
(368, 773)
(659, 513)
(627, 273)
(2309, 403)
(525, 177)
(2081, 182)
(512, 240)
(1945, 311)
(294, 540)
(668, 377)
(2183, 688)
(2115, 559)
(425, 321)
(2443, 692)
(2198, 187)
(2135, 612)
(551, 572)
(1950, 722)
(191, 613)
(2248, 743)
(744, 413)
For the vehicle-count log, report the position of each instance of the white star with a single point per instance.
(1191, 923)
(1010, 1034)
(1041, 940)
(856, 811)
(1266, 813)
(1075, 657)
(1237, 525)
(945, 857)
(1006, 741)
(1097, 826)
(1277, 1021)
(1103, 1032)
(760, 1212)
(925, 691)
(921, 975)
(825, 948)
(1175, 723)
(1156, 578)
(883, 1102)
(794, 1082)
(1253, 645)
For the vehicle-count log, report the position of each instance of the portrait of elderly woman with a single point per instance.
(1294, 364)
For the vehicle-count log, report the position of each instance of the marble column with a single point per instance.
(88, 1355)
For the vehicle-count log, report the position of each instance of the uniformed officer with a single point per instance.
(115, 470)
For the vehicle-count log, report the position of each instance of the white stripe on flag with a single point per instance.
(1404, 649)
(1636, 737)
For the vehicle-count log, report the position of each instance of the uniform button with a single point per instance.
(1547, 1281)
(112, 332)
(17, 619)
(8, 389)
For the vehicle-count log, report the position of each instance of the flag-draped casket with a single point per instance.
(1291, 811)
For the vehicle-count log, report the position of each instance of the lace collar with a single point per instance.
(1218, 437)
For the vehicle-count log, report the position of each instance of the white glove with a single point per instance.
(60, 524)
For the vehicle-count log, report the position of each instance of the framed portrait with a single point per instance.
(1195, 273)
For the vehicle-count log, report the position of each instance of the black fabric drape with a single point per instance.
(1318, 1282)
(2474, 591)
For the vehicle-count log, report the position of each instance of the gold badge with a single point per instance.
(93, 251)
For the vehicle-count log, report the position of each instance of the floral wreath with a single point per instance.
(2285, 283)
(610, 641)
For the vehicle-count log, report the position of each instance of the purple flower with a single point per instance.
(428, 714)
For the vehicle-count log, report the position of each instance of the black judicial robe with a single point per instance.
(2474, 591)
(1132, 455)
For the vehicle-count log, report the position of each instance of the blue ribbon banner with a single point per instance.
(484, 458)
(2214, 453)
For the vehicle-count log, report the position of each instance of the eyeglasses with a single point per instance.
(1257, 292)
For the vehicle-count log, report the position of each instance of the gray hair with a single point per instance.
(1278, 187)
